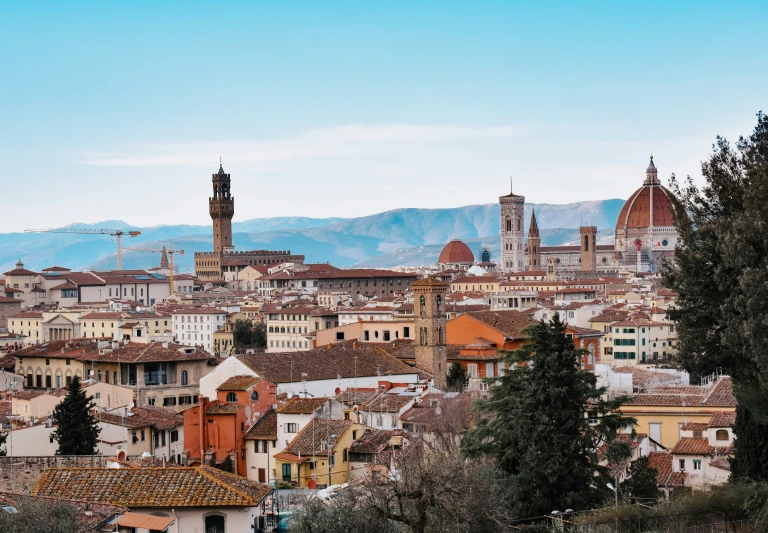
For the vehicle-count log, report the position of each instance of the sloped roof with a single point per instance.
(238, 383)
(318, 437)
(265, 428)
(665, 477)
(301, 406)
(508, 323)
(202, 486)
(326, 363)
(373, 441)
(688, 446)
(722, 420)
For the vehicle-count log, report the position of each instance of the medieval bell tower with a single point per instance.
(222, 208)
(511, 207)
(429, 320)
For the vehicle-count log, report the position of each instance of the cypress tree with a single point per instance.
(720, 273)
(456, 377)
(76, 430)
(535, 429)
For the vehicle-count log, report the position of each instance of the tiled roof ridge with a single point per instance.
(204, 471)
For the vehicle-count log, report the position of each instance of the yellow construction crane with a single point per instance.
(171, 252)
(116, 233)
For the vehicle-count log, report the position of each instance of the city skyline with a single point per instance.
(435, 105)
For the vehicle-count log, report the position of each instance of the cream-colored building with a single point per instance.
(28, 324)
(366, 332)
(288, 328)
(195, 326)
(641, 341)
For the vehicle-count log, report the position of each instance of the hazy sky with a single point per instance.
(121, 110)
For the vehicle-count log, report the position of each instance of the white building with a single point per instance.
(195, 326)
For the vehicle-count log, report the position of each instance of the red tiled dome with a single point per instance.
(637, 211)
(456, 252)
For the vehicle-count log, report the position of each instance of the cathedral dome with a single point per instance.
(456, 252)
(649, 206)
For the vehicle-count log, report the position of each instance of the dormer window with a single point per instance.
(721, 434)
(231, 397)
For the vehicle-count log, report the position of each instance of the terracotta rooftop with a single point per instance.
(141, 417)
(326, 363)
(152, 487)
(238, 383)
(298, 406)
(722, 420)
(224, 408)
(508, 323)
(318, 437)
(688, 446)
(265, 428)
(718, 395)
(373, 441)
(665, 477)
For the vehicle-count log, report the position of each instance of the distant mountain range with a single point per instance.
(394, 238)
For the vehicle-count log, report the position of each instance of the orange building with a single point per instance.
(214, 431)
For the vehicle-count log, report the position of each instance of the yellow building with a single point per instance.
(484, 284)
(319, 454)
(662, 411)
(29, 324)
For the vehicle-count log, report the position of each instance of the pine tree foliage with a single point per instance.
(456, 377)
(642, 480)
(76, 430)
(534, 427)
(720, 273)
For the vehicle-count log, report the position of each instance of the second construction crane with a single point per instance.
(116, 233)
(169, 253)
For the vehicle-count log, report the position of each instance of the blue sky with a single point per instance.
(120, 110)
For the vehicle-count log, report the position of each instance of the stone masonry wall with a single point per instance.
(19, 474)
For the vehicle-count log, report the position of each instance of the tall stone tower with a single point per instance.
(222, 209)
(512, 235)
(534, 244)
(588, 236)
(429, 319)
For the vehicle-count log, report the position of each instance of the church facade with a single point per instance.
(644, 235)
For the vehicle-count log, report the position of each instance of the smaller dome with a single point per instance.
(456, 252)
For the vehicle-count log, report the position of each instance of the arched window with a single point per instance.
(519, 223)
(438, 301)
(586, 243)
(184, 377)
(254, 396)
(439, 335)
(114, 377)
(422, 305)
(106, 376)
(101, 377)
(721, 434)
(303, 284)
(215, 523)
(423, 336)
(509, 224)
(231, 397)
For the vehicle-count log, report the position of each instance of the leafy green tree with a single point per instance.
(260, 335)
(534, 426)
(642, 480)
(76, 430)
(457, 376)
(720, 273)
(243, 334)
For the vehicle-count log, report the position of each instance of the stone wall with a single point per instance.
(19, 474)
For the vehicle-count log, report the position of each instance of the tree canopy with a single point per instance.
(720, 273)
(534, 426)
(76, 430)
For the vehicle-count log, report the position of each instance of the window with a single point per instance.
(345, 455)
(339, 335)
(254, 396)
(175, 435)
(333, 460)
(721, 434)
(697, 464)
(217, 523)
(386, 335)
(292, 427)
(682, 465)
(422, 305)
(406, 332)
(286, 471)
(366, 335)
(231, 397)
(169, 400)
(260, 446)
(184, 377)
(655, 431)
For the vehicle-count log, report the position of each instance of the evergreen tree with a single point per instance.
(720, 273)
(76, 430)
(534, 427)
(456, 378)
(642, 481)
(3, 438)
